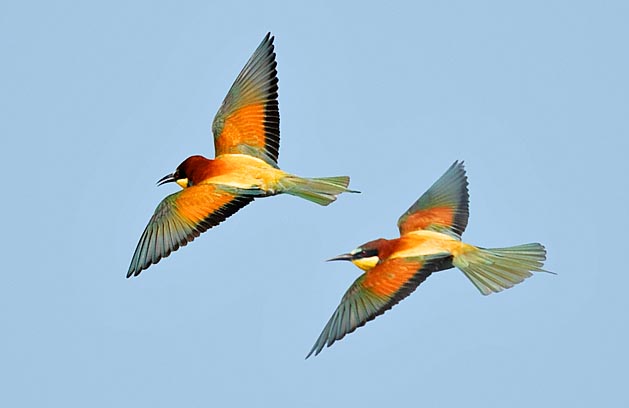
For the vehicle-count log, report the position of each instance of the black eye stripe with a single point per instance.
(366, 253)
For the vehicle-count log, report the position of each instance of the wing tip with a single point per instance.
(268, 40)
(320, 344)
(136, 270)
(312, 351)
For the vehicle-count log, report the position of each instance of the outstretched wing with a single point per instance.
(248, 121)
(443, 208)
(179, 219)
(375, 292)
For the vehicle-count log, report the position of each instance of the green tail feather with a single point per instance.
(493, 270)
(322, 190)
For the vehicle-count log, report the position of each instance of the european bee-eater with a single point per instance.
(430, 241)
(246, 142)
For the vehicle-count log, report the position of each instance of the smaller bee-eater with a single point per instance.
(430, 241)
(246, 142)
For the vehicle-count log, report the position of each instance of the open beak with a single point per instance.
(166, 179)
(344, 257)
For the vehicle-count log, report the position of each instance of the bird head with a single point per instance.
(188, 173)
(365, 256)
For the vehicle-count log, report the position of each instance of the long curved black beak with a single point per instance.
(166, 179)
(344, 257)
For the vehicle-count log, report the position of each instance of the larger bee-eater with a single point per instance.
(430, 241)
(246, 142)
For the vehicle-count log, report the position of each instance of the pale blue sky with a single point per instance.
(100, 101)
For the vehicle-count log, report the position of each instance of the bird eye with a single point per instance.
(368, 253)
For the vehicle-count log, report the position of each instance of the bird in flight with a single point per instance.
(246, 142)
(430, 241)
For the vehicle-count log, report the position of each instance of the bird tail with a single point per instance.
(492, 270)
(322, 190)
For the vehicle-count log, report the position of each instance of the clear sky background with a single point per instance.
(98, 102)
